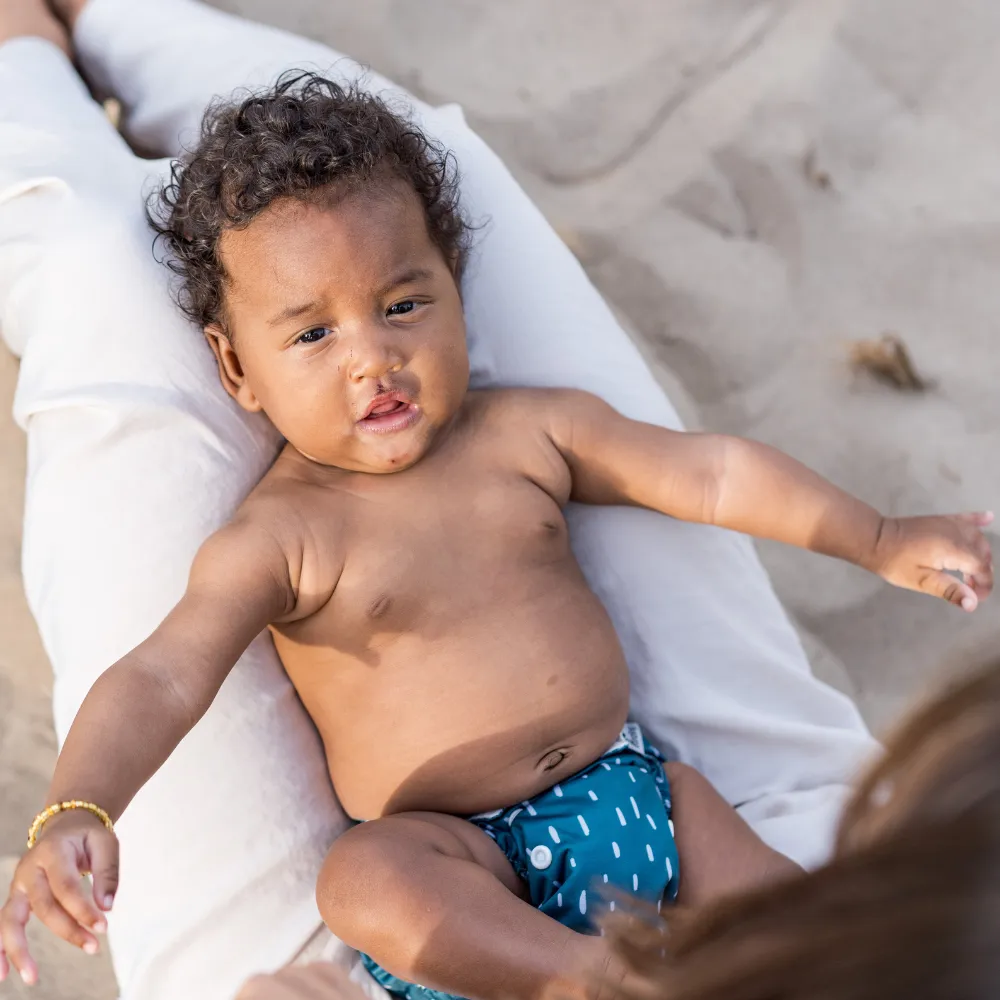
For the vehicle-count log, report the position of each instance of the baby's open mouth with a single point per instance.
(389, 412)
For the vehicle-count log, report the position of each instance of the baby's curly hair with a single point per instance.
(299, 139)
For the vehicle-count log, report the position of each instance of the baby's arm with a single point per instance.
(129, 724)
(755, 489)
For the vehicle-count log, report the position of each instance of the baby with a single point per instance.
(408, 553)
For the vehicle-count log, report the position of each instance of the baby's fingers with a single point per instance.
(64, 885)
(102, 848)
(949, 588)
(13, 919)
(55, 917)
(980, 518)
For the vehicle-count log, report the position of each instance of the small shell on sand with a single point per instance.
(888, 360)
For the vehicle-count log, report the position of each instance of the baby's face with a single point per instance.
(347, 328)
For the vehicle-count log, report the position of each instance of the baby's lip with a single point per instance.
(384, 402)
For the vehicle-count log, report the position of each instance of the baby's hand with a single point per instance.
(917, 553)
(48, 882)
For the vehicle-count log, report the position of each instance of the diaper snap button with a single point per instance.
(541, 857)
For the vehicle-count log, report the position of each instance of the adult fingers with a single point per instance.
(13, 919)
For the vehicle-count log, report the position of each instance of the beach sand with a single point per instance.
(755, 186)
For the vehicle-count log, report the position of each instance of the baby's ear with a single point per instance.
(231, 373)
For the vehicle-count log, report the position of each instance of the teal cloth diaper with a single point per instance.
(607, 826)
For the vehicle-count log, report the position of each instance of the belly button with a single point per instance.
(554, 758)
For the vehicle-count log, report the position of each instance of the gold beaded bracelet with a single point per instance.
(49, 811)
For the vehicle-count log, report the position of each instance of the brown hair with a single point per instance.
(909, 908)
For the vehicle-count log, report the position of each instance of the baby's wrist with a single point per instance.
(882, 534)
(72, 812)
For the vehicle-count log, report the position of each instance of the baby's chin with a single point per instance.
(376, 458)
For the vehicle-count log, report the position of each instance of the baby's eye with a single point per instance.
(401, 308)
(313, 336)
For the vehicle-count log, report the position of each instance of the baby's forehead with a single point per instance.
(358, 240)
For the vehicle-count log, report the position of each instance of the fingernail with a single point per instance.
(968, 603)
(90, 947)
(28, 976)
(100, 927)
(108, 901)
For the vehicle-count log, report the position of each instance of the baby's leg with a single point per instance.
(434, 901)
(719, 853)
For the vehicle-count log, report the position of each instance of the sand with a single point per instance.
(754, 185)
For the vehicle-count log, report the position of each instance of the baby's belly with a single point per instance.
(468, 715)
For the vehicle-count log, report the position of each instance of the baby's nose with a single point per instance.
(374, 362)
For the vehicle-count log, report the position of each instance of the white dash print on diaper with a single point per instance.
(607, 767)
(583, 901)
(635, 883)
(649, 852)
(592, 794)
(616, 849)
(513, 816)
(651, 822)
(605, 879)
(670, 869)
(612, 904)
(558, 791)
(530, 808)
(558, 899)
(632, 776)
(621, 815)
(635, 808)
(583, 826)
(554, 835)
(572, 862)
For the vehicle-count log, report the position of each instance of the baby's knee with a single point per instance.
(357, 879)
(370, 888)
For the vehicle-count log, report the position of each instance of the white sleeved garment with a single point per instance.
(136, 454)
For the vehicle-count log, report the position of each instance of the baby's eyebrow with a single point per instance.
(404, 278)
(292, 312)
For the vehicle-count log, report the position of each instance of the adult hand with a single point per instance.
(318, 981)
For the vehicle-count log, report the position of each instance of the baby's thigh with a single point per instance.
(382, 869)
(719, 852)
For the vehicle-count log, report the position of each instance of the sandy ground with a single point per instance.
(754, 185)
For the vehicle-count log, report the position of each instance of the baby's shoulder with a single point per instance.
(512, 428)
(518, 406)
(301, 516)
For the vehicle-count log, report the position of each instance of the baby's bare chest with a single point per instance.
(436, 555)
